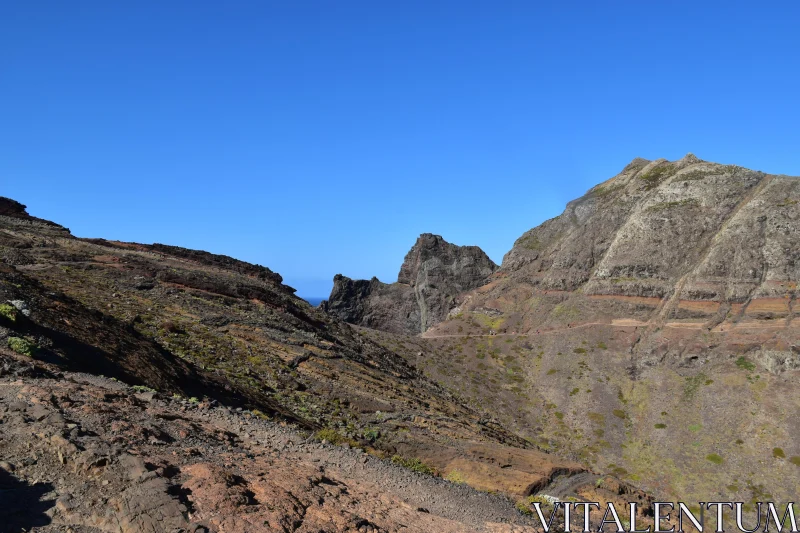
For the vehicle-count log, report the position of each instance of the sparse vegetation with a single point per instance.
(714, 458)
(529, 242)
(745, 364)
(415, 465)
(455, 476)
(655, 175)
(660, 426)
(778, 453)
(9, 312)
(143, 388)
(22, 346)
(525, 505)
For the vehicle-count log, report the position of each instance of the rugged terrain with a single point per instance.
(432, 276)
(650, 330)
(149, 388)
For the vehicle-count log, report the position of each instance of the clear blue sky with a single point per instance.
(323, 137)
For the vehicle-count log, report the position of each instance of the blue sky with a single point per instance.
(323, 137)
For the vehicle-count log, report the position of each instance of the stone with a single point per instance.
(434, 274)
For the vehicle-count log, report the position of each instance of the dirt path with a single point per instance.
(618, 323)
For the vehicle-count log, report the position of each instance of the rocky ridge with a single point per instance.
(433, 275)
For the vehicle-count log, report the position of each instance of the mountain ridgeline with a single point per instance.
(433, 275)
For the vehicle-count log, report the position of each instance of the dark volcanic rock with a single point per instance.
(433, 275)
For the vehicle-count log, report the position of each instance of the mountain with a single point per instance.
(432, 276)
(650, 330)
(153, 387)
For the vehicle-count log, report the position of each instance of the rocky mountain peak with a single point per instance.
(433, 274)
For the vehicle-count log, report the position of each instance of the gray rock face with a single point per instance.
(433, 275)
(686, 229)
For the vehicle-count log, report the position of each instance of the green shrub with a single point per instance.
(22, 346)
(525, 505)
(579, 350)
(415, 465)
(619, 413)
(795, 460)
(778, 453)
(143, 388)
(714, 458)
(745, 364)
(334, 437)
(9, 312)
(660, 426)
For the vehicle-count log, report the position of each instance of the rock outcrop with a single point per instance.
(433, 275)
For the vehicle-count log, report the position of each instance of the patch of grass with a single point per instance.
(714, 458)
(574, 391)
(332, 436)
(660, 426)
(601, 191)
(552, 371)
(795, 460)
(777, 453)
(529, 242)
(565, 311)
(143, 388)
(694, 175)
(22, 346)
(602, 346)
(745, 364)
(455, 476)
(415, 465)
(579, 350)
(695, 427)
(597, 418)
(9, 312)
(692, 384)
(525, 505)
(619, 413)
(655, 175)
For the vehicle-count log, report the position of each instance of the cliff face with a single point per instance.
(653, 322)
(433, 275)
(677, 231)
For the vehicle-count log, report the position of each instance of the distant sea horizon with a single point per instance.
(313, 300)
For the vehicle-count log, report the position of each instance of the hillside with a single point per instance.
(650, 330)
(111, 351)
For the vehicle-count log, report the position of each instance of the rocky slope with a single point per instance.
(175, 329)
(651, 330)
(87, 454)
(432, 276)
